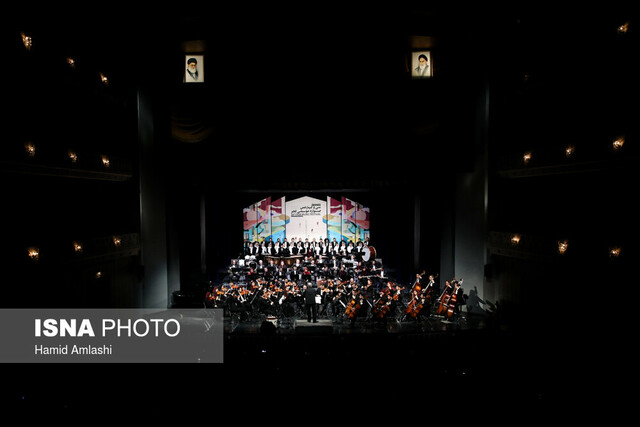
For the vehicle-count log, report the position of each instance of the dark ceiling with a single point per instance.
(319, 86)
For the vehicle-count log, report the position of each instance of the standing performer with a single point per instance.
(310, 304)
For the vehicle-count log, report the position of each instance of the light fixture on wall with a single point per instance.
(26, 40)
(526, 158)
(33, 253)
(31, 149)
(77, 247)
(569, 150)
(116, 241)
(71, 62)
(622, 29)
(515, 239)
(618, 143)
(105, 161)
(73, 156)
(562, 246)
(104, 79)
(615, 252)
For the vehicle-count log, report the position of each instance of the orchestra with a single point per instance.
(271, 279)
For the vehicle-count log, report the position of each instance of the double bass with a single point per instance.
(453, 300)
(444, 300)
(416, 285)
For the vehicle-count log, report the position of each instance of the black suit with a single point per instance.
(310, 303)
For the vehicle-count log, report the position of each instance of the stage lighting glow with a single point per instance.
(77, 247)
(117, 241)
(526, 158)
(615, 252)
(73, 156)
(105, 161)
(515, 239)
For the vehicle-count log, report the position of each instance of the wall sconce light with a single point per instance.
(569, 150)
(105, 161)
(615, 252)
(26, 40)
(104, 79)
(622, 29)
(526, 158)
(71, 63)
(73, 156)
(34, 253)
(562, 246)
(116, 241)
(98, 274)
(515, 239)
(77, 247)
(618, 143)
(31, 149)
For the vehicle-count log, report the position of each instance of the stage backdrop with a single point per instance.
(306, 217)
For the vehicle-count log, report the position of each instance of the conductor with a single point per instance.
(310, 302)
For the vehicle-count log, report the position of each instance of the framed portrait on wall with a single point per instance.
(421, 64)
(194, 69)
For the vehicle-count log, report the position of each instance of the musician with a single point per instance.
(357, 307)
(285, 248)
(457, 298)
(359, 250)
(295, 274)
(334, 263)
(311, 306)
(350, 249)
(253, 250)
(343, 274)
(382, 306)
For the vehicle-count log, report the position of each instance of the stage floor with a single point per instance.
(295, 325)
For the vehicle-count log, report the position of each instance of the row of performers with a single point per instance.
(339, 300)
(313, 248)
(303, 269)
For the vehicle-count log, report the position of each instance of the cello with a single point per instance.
(414, 306)
(353, 307)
